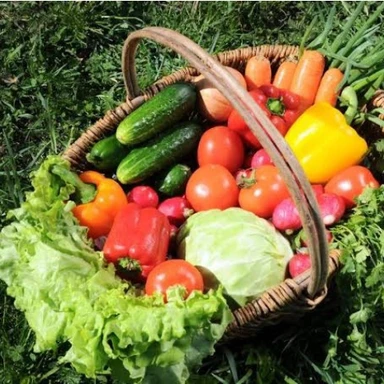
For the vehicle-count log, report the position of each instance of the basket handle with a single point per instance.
(270, 139)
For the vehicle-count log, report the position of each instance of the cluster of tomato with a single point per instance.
(228, 153)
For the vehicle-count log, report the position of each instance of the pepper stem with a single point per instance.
(84, 193)
(275, 106)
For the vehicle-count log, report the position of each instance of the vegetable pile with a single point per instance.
(182, 216)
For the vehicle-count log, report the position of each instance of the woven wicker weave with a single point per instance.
(293, 297)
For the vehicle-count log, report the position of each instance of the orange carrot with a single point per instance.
(307, 76)
(284, 74)
(328, 88)
(258, 72)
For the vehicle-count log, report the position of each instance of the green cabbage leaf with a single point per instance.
(237, 249)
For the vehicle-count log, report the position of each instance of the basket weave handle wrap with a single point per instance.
(259, 124)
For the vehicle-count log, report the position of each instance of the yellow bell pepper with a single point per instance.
(324, 143)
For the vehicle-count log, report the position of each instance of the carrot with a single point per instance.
(307, 76)
(258, 72)
(329, 84)
(284, 74)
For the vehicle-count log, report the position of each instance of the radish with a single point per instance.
(285, 216)
(260, 158)
(332, 208)
(299, 263)
(177, 209)
(144, 196)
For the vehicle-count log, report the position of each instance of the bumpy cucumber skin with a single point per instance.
(107, 153)
(162, 111)
(173, 181)
(159, 153)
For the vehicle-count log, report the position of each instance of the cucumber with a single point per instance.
(107, 153)
(162, 111)
(173, 181)
(159, 153)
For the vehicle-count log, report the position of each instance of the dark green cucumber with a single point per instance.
(107, 153)
(173, 181)
(159, 153)
(162, 111)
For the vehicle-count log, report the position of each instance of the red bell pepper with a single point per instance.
(281, 106)
(138, 240)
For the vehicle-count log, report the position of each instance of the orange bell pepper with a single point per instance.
(98, 215)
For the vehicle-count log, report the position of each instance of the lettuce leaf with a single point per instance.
(68, 294)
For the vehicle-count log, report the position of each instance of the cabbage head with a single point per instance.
(236, 248)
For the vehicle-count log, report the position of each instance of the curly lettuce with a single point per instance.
(68, 294)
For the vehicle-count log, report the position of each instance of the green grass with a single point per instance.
(60, 72)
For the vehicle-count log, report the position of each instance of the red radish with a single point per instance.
(299, 263)
(177, 209)
(332, 207)
(260, 158)
(285, 216)
(144, 196)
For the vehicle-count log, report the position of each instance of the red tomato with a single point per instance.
(174, 272)
(265, 194)
(220, 145)
(212, 186)
(350, 183)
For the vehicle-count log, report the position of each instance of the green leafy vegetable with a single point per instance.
(68, 294)
(242, 251)
(358, 342)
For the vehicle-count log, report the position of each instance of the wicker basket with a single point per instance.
(293, 297)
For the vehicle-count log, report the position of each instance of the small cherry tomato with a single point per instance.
(171, 273)
(220, 145)
(212, 186)
(350, 183)
(265, 194)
